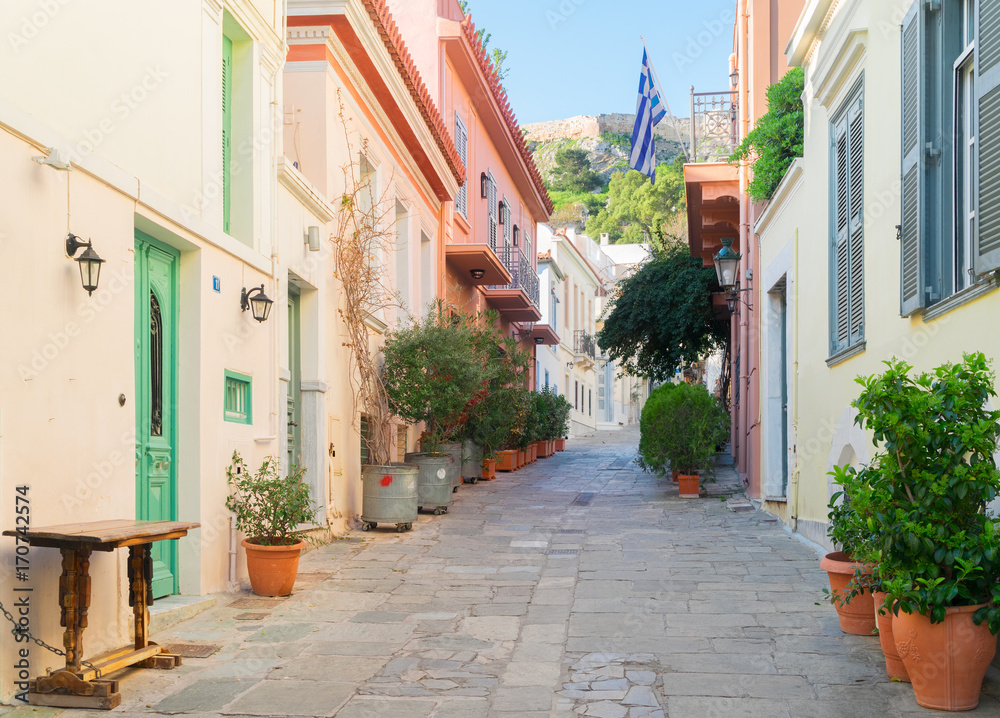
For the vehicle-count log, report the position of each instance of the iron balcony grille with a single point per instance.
(522, 274)
(583, 343)
(714, 135)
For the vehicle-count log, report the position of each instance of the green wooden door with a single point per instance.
(294, 421)
(155, 391)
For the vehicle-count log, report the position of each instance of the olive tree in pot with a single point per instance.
(938, 549)
(432, 374)
(269, 508)
(681, 426)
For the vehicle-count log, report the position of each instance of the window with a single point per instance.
(576, 395)
(847, 311)
(227, 131)
(950, 224)
(462, 145)
(491, 200)
(237, 404)
(505, 218)
(527, 245)
(590, 402)
(546, 378)
(233, 186)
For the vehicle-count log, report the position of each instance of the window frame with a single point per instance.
(964, 113)
(231, 415)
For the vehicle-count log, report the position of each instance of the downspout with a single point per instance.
(794, 490)
(743, 328)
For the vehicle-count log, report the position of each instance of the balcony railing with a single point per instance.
(714, 132)
(584, 343)
(523, 275)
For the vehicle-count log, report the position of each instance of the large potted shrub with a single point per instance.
(681, 427)
(269, 508)
(938, 549)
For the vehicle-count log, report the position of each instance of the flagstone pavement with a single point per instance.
(578, 586)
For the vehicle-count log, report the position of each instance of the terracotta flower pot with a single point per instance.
(893, 663)
(489, 469)
(272, 569)
(689, 486)
(946, 661)
(506, 460)
(858, 616)
(533, 453)
(560, 444)
(675, 475)
(522, 458)
(540, 452)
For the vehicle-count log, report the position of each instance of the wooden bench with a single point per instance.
(80, 684)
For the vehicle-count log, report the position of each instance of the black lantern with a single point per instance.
(257, 302)
(501, 210)
(477, 273)
(90, 263)
(517, 233)
(734, 77)
(484, 185)
(726, 263)
(731, 299)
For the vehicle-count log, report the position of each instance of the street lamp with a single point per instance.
(257, 302)
(727, 261)
(90, 263)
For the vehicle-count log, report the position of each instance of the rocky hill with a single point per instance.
(605, 138)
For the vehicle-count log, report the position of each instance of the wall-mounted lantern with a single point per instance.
(257, 302)
(727, 261)
(90, 263)
(484, 185)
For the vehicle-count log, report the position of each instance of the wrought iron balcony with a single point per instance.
(714, 130)
(523, 275)
(584, 343)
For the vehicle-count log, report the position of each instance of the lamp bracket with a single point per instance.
(73, 243)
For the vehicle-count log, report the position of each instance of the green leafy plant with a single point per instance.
(637, 210)
(776, 140)
(572, 172)
(681, 426)
(661, 315)
(555, 414)
(268, 507)
(922, 500)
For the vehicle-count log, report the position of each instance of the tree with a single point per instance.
(496, 54)
(572, 172)
(638, 210)
(777, 139)
(661, 315)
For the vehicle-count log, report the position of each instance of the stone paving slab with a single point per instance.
(668, 608)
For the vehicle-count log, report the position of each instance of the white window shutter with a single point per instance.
(912, 296)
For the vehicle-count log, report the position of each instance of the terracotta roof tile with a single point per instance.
(500, 95)
(382, 18)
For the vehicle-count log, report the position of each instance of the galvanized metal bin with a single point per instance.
(434, 481)
(472, 462)
(389, 495)
(454, 450)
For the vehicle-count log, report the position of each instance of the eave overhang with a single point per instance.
(513, 304)
(713, 208)
(546, 333)
(465, 258)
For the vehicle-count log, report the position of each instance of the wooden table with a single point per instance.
(79, 684)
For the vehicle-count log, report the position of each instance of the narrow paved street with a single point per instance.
(577, 586)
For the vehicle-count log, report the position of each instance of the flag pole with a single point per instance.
(659, 91)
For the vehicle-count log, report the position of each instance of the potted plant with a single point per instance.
(939, 551)
(681, 426)
(269, 508)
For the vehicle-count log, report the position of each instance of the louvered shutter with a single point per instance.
(462, 145)
(912, 296)
(227, 129)
(856, 220)
(988, 135)
(491, 199)
(840, 305)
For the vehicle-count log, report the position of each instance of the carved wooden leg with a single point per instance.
(140, 580)
(83, 598)
(68, 588)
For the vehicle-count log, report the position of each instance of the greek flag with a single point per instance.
(649, 110)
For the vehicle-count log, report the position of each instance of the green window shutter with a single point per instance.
(238, 401)
(988, 136)
(840, 266)
(856, 221)
(912, 296)
(227, 129)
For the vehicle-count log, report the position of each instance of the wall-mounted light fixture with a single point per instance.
(484, 185)
(734, 77)
(517, 233)
(477, 273)
(312, 238)
(54, 158)
(257, 302)
(90, 263)
(539, 340)
(501, 211)
(727, 260)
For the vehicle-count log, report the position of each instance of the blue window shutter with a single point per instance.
(912, 297)
(988, 135)
(840, 254)
(856, 221)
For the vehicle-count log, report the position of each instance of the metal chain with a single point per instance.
(18, 630)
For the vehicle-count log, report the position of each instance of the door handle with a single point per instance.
(162, 464)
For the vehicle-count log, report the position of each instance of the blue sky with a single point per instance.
(582, 57)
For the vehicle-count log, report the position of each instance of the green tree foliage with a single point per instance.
(681, 424)
(269, 507)
(661, 315)
(638, 210)
(572, 172)
(776, 141)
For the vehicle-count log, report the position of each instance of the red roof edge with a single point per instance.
(500, 95)
(378, 11)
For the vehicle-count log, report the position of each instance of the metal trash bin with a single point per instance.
(389, 495)
(454, 450)
(472, 462)
(434, 481)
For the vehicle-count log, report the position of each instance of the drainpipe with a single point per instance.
(794, 489)
(743, 328)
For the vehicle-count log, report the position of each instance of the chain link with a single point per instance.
(18, 630)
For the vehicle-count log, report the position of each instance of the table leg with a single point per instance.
(140, 595)
(68, 591)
